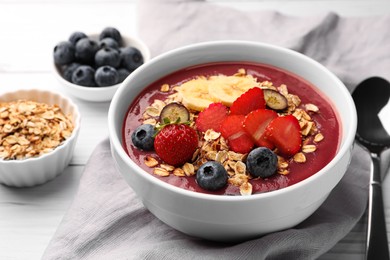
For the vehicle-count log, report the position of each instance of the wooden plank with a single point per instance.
(29, 217)
(29, 31)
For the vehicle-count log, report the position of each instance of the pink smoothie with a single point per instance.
(327, 123)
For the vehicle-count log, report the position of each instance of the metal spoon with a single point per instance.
(370, 97)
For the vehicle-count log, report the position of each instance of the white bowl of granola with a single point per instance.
(246, 204)
(38, 135)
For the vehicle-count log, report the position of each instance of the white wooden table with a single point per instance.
(29, 29)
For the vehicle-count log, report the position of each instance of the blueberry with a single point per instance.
(108, 42)
(211, 176)
(122, 74)
(107, 56)
(111, 32)
(106, 76)
(131, 58)
(69, 69)
(86, 50)
(262, 162)
(76, 36)
(84, 76)
(143, 137)
(64, 53)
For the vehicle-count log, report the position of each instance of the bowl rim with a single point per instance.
(144, 50)
(345, 144)
(61, 146)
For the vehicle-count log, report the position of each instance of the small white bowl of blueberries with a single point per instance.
(92, 67)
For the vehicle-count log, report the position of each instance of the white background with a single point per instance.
(29, 30)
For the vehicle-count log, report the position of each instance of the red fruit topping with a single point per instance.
(175, 144)
(233, 131)
(255, 124)
(251, 100)
(285, 133)
(212, 117)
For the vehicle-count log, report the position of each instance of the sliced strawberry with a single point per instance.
(255, 124)
(251, 100)
(285, 133)
(212, 117)
(233, 131)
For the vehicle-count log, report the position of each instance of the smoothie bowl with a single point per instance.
(232, 140)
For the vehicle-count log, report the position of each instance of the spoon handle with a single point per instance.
(377, 245)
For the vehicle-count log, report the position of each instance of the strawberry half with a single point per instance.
(250, 100)
(255, 124)
(285, 133)
(233, 131)
(212, 117)
(175, 144)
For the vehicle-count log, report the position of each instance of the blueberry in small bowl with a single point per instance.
(131, 58)
(83, 75)
(107, 56)
(64, 53)
(85, 50)
(76, 36)
(111, 32)
(108, 42)
(92, 66)
(106, 76)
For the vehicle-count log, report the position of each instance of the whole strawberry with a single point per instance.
(175, 144)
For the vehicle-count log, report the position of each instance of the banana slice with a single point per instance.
(195, 94)
(226, 89)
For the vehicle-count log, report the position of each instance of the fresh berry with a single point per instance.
(211, 176)
(131, 58)
(175, 144)
(212, 117)
(81, 49)
(84, 76)
(285, 133)
(233, 131)
(122, 74)
(69, 69)
(86, 50)
(274, 99)
(174, 113)
(111, 32)
(106, 76)
(255, 124)
(107, 56)
(76, 36)
(64, 53)
(250, 100)
(108, 42)
(262, 162)
(143, 137)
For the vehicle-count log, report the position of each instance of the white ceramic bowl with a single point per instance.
(100, 94)
(38, 170)
(228, 218)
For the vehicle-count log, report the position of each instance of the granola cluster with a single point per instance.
(30, 129)
(212, 146)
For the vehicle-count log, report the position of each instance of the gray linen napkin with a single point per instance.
(107, 220)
